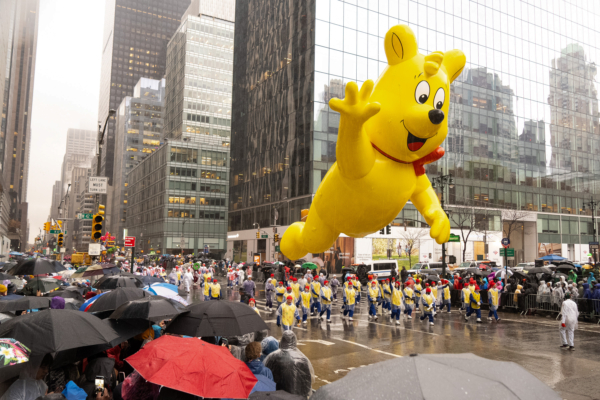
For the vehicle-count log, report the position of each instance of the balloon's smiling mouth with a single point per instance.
(414, 143)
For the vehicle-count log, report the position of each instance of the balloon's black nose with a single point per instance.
(436, 116)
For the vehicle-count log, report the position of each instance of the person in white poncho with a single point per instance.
(568, 323)
(188, 280)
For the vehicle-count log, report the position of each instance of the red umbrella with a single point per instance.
(193, 366)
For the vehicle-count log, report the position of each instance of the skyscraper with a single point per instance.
(80, 143)
(19, 44)
(134, 46)
(139, 128)
(523, 122)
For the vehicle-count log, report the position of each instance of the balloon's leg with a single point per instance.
(312, 236)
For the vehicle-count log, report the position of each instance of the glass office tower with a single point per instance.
(523, 121)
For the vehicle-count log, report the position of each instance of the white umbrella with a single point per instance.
(160, 289)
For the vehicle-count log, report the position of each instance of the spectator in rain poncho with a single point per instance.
(591, 278)
(269, 345)
(173, 277)
(558, 295)
(30, 384)
(292, 370)
(596, 296)
(569, 314)
(188, 280)
(57, 303)
(253, 352)
(542, 288)
(587, 293)
(574, 292)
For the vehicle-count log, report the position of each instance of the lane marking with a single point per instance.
(540, 323)
(367, 347)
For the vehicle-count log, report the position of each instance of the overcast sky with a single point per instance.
(66, 90)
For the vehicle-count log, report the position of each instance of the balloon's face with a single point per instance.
(414, 94)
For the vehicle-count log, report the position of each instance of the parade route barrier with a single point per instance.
(508, 301)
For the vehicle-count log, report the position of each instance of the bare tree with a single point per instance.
(512, 219)
(411, 240)
(470, 219)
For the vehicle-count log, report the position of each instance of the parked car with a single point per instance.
(523, 266)
(426, 267)
(381, 268)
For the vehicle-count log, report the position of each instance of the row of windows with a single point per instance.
(213, 30)
(206, 174)
(177, 171)
(214, 158)
(208, 108)
(207, 130)
(216, 215)
(203, 201)
(224, 99)
(208, 119)
(208, 84)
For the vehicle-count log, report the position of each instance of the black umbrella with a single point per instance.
(559, 275)
(42, 284)
(415, 381)
(520, 276)
(115, 281)
(149, 280)
(474, 271)
(50, 331)
(124, 329)
(153, 308)
(58, 266)
(565, 268)
(6, 276)
(24, 303)
(34, 266)
(8, 266)
(66, 294)
(433, 278)
(217, 318)
(112, 300)
(539, 270)
(278, 395)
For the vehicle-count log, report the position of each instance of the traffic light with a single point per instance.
(60, 239)
(276, 237)
(97, 220)
(59, 223)
(258, 234)
(388, 230)
(47, 226)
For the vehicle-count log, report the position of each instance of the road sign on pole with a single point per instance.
(85, 216)
(509, 253)
(129, 241)
(98, 184)
(454, 238)
(505, 242)
(94, 249)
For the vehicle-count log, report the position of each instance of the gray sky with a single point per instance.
(66, 90)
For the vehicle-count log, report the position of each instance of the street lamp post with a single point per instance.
(441, 182)
(592, 205)
(100, 143)
(182, 236)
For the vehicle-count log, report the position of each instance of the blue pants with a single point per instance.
(286, 328)
(372, 308)
(334, 291)
(388, 305)
(326, 307)
(304, 317)
(494, 313)
(417, 303)
(349, 310)
(408, 311)
(430, 315)
(269, 300)
(447, 305)
(396, 313)
(477, 311)
(206, 298)
(358, 298)
(317, 305)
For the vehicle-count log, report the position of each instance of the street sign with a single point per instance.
(94, 249)
(84, 216)
(505, 242)
(264, 236)
(129, 241)
(98, 184)
(277, 249)
(509, 252)
(63, 250)
(594, 245)
(454, 238)
(55, 231)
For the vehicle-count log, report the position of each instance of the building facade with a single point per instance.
(80, 237)
(19, 38)
(139, 127)
(177, 200)
(523, 123)
(134, 46)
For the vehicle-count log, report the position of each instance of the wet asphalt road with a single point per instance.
(533, 342)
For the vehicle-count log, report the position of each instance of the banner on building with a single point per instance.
(546, 249)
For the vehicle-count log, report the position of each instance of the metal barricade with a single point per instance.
(508, 301)
(589, 308)
(543, 306)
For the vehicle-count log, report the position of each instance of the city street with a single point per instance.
(533, 342)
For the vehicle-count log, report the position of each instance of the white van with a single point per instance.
(381, 268)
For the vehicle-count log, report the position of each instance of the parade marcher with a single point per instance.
(188, 279)
(315, 290)
(286, 313)
(305, 302)
(387, 297)
(475, 305)
(252, 304)
(568, 323)
(215, 290)
(493, 301)
(269, 292)
(436, 295)
(321, 279)
(428, 306)
(466, 299)
(445, 296)
(295, 289)
(409, 298)
(374, 298)
(249, 286)
(334, 287)
(290, 292)
(417, 288)
(206, 289)
(358, 287)
(396, 301)
(173, 277)
(326, 301)
(280, 294)
(349, 300)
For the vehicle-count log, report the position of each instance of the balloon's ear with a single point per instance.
(454, 62)
(400, 44)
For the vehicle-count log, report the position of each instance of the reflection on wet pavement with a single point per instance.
(532, 342)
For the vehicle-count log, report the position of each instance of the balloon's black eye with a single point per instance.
(439, 105)
(423, 98)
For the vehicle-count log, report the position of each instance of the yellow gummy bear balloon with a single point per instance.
(388, 131)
